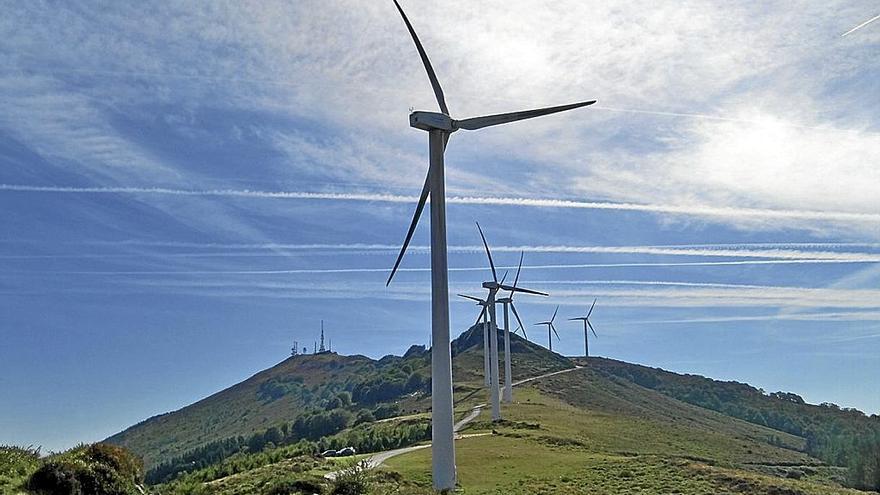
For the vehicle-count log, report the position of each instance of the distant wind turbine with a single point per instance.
(492, 287)
(439, 127)
(586, 320)
(484, 315)
(507, 302)
(550, 328)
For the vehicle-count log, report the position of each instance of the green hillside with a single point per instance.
(278, 394)
(698, 434)
(306, 383)
(842, 437)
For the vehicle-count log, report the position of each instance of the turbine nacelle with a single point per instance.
(430, 121)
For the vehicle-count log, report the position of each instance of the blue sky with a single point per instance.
(188, 188)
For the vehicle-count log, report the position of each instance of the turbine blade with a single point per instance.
(513, 289)
(554, 331)
(593, 329)
(423, 198)
(438, 91)
(472, 298)
(554, 314)
(503, 277)
(480, 316)
(488, 253)
(591, 307)
(518, 319)
(518, 268)
(475, 123)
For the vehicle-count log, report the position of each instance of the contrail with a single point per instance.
(771, 254)
(281, 245)
(860, 26)
(561, 266)
(671, 251)
(696, 210)
(833, 316)
(709, 251)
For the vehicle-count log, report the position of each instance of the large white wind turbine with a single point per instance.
(507, 303)
(439, 127)
(587, 323)
(550, 328)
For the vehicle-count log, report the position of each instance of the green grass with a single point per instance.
(548, 446)
(16, 465)
(579, 433)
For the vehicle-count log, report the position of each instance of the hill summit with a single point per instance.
(308, 381)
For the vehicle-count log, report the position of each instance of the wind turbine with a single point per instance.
(550, 327)
(493, 287)
(507, 303)
(484, 315)
(586, 320)
(439, 127)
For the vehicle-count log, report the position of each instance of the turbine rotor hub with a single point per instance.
(430, 121)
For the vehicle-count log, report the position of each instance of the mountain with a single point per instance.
(732, 436)
(306, 382)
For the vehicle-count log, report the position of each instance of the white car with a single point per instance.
(346, 452)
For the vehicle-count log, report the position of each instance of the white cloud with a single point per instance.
(350, 67)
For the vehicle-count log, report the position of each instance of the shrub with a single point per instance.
(97, 469)
(17, 461)
(291, 486)
(55, 478)
(355, 480)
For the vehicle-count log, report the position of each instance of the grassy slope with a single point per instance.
(618, 445)
(237, 410)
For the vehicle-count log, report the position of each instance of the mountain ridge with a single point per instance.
(303, 386)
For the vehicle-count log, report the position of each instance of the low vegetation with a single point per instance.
(95, 469)
(16, 465)
(838, 436)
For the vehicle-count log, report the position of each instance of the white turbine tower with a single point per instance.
(550, 328)
(587, 323)
(439, 127)
(507, 302)
(484, 315)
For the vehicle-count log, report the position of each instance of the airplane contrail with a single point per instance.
(695, 210)
(394, 247)
(560, 266)
(830, 316)
(777, 254)
(860, 26)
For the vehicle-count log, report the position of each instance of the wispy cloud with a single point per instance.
(694, 210)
